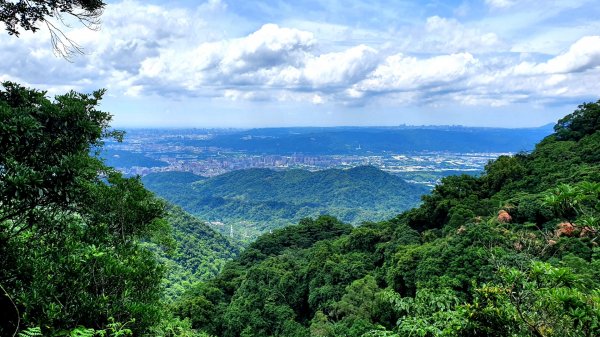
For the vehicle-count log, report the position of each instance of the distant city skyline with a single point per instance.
(247, 64)
(400, 151)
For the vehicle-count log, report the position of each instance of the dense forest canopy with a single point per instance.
(254, 201)
(199, 254)
(86, 251)
(511, 253)
(71, 228)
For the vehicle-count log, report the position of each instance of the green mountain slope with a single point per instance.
(200, 253)
(514, 252)
(257, 200)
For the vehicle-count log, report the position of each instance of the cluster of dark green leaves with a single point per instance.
(583, 122)
(71, 228)
(511, 253)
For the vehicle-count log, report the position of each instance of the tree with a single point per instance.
(564, 200)
(432, 312)
(541, 300)
(30, 14)
(45, 150)
(582, 122)
(70, 227)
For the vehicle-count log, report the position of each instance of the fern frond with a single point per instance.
(31, 332)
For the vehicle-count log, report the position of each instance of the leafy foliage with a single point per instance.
(583, 122)
(70, 227)
(258, 200)
(28, 14)
(31, 332)
(199, 255)
(543, 300)
(513, 252)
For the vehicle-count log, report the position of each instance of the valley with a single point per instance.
(244, 183)
(246, 203)
(419, 154)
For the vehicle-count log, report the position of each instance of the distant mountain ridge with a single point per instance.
(323, 141)
(258, 200)
(510, 252)
(360, 140)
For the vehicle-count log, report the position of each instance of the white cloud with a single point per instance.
(235, 61)
(270, 46)
(342, 68)
(169, 52)
(403, 73)
(317, 100)
(581, 56)
(270, 57)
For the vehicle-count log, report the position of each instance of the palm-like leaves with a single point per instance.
(564, 200)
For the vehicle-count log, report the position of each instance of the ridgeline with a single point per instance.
(255, 201)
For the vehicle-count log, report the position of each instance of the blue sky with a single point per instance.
(234, 63)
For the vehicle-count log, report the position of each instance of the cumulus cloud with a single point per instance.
(273, 56)
(228, 61)
(172, 52)
(341, 68)
(130, 33)
(268, 47)
(403, 73)
(581, 56)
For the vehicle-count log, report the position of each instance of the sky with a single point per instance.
(244, 63)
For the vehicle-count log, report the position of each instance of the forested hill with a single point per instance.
(199, 252)
(257, 200)
(513, 252)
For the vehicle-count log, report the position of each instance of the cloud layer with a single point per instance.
(210, 51)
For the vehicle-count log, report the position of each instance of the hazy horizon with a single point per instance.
(408, 126)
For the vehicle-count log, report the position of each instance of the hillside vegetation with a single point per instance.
(85, 251)
(72, 230)
(199, 253)
(511, 253)
(258, 200)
